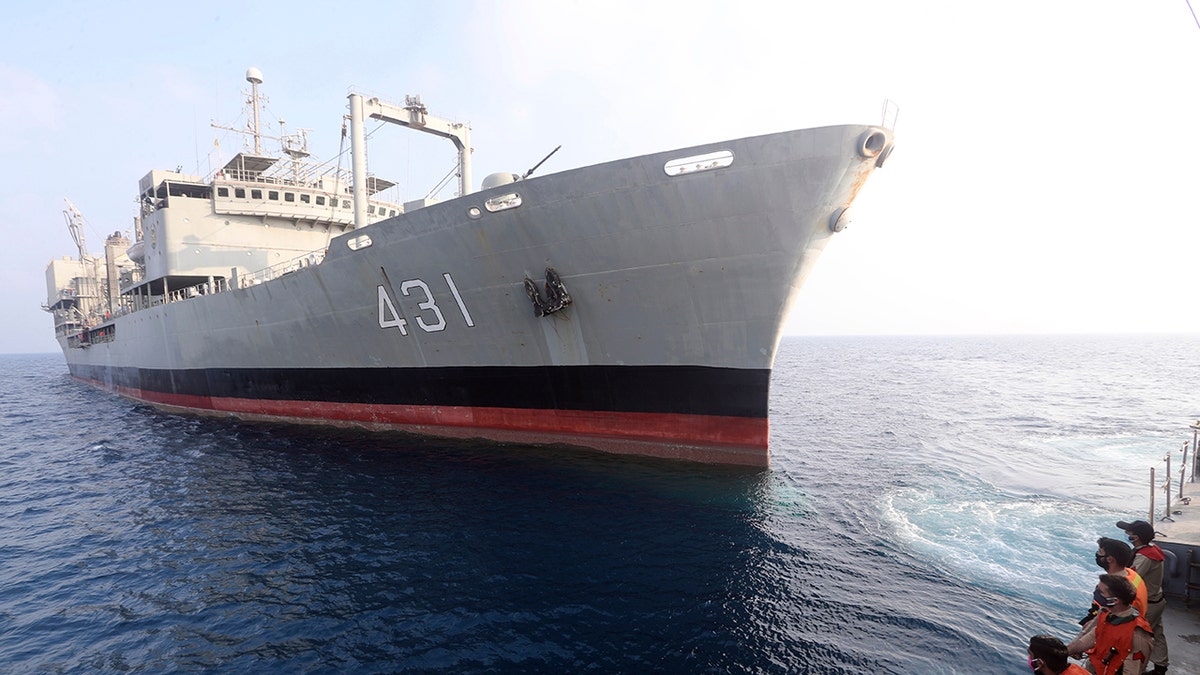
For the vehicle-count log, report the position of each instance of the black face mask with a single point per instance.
(1102, 561)
(1102, 599)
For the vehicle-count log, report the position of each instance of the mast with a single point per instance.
(255, 78)
(358, 155)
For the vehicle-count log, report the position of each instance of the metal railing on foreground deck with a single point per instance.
(279, 269)
(1166, 485)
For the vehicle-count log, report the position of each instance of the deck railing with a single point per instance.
(1167, 486)
(279, 269)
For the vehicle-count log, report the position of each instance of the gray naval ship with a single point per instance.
(629, 307)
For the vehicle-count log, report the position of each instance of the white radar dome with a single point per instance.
(498, 179)
(254, 76)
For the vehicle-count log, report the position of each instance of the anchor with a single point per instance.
(556, 298)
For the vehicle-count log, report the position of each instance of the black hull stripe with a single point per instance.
(692, 390)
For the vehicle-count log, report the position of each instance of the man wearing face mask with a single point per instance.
(1120, 639)
(1114, 556)
(1048, 656)
(1148, 561)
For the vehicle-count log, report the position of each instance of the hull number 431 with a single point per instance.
(428, 317)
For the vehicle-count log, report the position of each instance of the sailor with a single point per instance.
(1148, 561)
(1114, 557)
(1048, 656)
(1120, 639)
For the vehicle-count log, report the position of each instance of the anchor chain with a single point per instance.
(556, 296)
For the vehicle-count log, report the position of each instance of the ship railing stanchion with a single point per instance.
(1152, 486)
(1183, 468)
(1167, 492)
(1195, 449)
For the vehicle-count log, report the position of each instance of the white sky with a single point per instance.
(1044, 181)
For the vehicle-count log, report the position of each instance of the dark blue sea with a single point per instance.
(931, 504)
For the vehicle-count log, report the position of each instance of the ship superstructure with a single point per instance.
(258, 216)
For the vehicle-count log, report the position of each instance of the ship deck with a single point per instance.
(1181, 536)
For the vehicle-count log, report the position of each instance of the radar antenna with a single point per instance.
(294, 145)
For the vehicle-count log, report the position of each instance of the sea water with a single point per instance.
(932, 503)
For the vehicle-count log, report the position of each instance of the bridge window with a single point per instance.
(240, 193)
(304, 198)
(273, 195)
(223, 192)
(256, 194)
(289, 197)
(320, 201)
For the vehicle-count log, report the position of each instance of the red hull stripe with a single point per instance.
(703, 438)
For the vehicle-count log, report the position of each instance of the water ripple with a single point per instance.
(892, 534)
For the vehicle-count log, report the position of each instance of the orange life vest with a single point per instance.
(1139, 586)
(1114, 641)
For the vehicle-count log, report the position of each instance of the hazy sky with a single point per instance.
(1045, 177)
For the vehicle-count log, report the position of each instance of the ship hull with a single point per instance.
(679, 285)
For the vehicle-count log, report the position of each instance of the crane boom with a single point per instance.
(75, 226)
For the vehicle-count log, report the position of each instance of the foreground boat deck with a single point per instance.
(1181, 536)
(1182, 627)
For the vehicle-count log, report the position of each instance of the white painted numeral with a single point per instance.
(386, 306)
(390, 318)
(462, 306)
(428, 303)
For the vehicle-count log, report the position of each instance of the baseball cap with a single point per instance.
(1143, 530)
